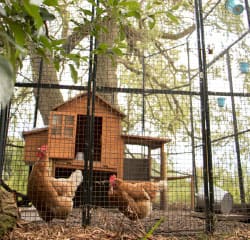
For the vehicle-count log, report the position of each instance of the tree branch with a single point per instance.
(172, 36)
(76, 37)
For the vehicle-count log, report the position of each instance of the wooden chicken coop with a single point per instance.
(66, 142)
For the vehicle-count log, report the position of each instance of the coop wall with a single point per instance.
(32, 142)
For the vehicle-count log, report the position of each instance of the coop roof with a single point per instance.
(152, 142)
(35, 131)
(101, 99)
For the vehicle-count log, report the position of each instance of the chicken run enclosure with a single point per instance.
(172, 110)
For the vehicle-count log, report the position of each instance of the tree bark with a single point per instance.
(106, 75)
(45, 72)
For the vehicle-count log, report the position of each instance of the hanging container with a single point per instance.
(234, 6)
(221, 101)
(244, 67)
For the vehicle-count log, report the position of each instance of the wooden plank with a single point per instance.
(34, 140)
(178, 177)
(152, 142)
(77, 165)
(223, 217)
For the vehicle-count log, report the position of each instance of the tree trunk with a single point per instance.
(106, 75)
(45, 72)
(8, 211)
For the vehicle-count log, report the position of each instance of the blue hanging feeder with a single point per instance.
(234, 6)
(221, 101)
(244, 67)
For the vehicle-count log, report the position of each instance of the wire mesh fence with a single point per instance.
(136, 136)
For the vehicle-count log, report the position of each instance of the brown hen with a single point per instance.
(134, 200)
(52, 197)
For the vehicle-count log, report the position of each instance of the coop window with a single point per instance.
(62, 125)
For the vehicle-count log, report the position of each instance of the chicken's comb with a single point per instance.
(112, 178)
(43, 148)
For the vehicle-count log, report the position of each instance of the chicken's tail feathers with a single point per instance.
(77, 177)
(162, 184)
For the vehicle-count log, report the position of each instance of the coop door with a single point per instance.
(62, 132)
(81, 136)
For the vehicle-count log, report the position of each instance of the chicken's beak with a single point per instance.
(111, 189)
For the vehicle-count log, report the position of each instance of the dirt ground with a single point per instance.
(109, 224)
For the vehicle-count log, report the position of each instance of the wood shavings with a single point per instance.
(126, 230)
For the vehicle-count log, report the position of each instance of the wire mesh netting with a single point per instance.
(129, 148)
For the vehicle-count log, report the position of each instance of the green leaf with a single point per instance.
(86, 12)
(117, 51)
(131, 5)
(176, 6)
(56, 63)
(135, 14)
(74, 73)
(46, 42)
(102, 48)
(172, 17)
(122, 34)
(34, 12)
(75, 58)
(58, 41)
(100, 11)
(19, 33)
(10, 40)
(112, 3)
(92, 2)
(151, 22)
(41, 51)
(46, 15)
(51, 2)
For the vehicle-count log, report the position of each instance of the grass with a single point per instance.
(15, 170)
(151, 231)
(179, 191)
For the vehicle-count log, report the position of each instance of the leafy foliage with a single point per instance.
(15, 171)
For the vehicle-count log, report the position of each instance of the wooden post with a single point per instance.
(149, 162)
(192, 192)
(163, 196)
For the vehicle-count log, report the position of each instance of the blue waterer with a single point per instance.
(234, 6)
(221, 101)
(244, 67)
